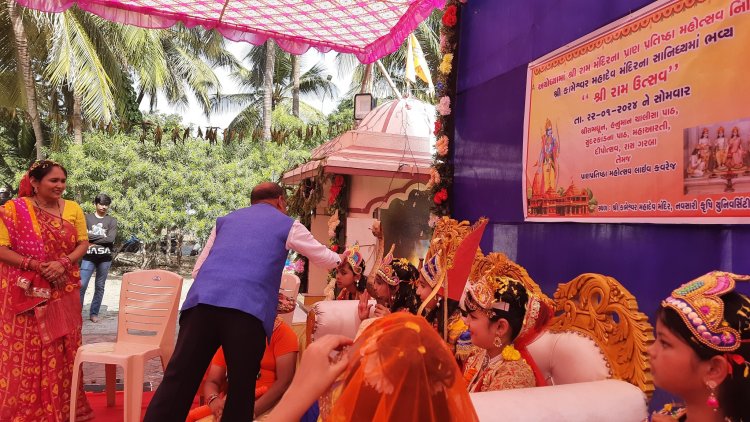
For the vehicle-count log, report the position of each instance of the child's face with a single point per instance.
(424, 290)
(345, 277)
(482, 330)
(382, 290)
(674, 364)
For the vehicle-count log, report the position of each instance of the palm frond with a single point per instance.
(316, 82)
(247, 120)
(229, 102)
(74, 60)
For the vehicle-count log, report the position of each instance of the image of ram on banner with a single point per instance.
(646, 120)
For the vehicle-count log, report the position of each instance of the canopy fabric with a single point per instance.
(368, 29)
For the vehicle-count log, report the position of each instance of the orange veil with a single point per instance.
(401, 370)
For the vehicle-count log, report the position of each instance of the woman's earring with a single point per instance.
(498, 342)
(712, 401)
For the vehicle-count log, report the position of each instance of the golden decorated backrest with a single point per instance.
(600, 308)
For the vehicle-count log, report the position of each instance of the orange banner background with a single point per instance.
(646, 120)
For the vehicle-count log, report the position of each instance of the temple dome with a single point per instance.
(407, 116)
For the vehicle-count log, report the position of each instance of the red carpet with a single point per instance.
(116, 413)
(102, 413)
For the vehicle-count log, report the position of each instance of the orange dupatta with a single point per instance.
(401, 370)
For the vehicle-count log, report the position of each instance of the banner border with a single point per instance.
(578, 43)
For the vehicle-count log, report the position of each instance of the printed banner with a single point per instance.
(646, 120)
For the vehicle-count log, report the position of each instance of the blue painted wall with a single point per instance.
(498, 40)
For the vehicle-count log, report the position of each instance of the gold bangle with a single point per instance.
(211, 398)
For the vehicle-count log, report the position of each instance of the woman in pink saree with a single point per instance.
(42, 238)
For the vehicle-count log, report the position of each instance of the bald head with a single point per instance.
(266, 191)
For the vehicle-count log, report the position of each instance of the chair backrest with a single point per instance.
(597, 333)
(148, 307)
(289, 287)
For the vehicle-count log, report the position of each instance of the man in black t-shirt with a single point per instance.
(102, 232)
(5, 194)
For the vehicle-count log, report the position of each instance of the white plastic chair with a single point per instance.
(145, 329)
(289, 287)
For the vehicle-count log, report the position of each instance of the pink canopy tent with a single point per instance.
(368, 29)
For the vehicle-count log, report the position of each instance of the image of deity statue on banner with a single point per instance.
(546, 196)
(547, 172)
(717, 164)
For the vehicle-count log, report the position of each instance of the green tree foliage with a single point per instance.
(17, 150)
(341, 119)
(184, 185)
(75, 70)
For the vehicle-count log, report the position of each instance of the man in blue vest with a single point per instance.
(232, 303)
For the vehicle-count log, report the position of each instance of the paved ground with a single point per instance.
(106, 330)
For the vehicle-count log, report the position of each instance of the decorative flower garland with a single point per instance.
(304, 202)
(338, 210)
(441, 173)
(338, 207)
(510, 353)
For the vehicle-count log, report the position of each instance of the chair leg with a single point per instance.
(74, 388)
(110, 383)
(133, 374)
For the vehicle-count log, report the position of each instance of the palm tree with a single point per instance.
(178, 61)
(268, 89)
(252, 100)
(24, 67)
(370, 78)
(296, 69)
(82, 66)
(77, 62)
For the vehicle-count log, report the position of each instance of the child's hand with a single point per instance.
(381, 311)
(363, 308)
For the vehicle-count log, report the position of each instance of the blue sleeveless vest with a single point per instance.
(243, 268)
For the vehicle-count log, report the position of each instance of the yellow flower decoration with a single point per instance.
(447, 64)
(510, 353)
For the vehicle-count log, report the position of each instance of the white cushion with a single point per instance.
(336, 317)
(608, 400)
(566, 358)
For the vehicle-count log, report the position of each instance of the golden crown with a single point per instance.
(701, 307)
(386, 271)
